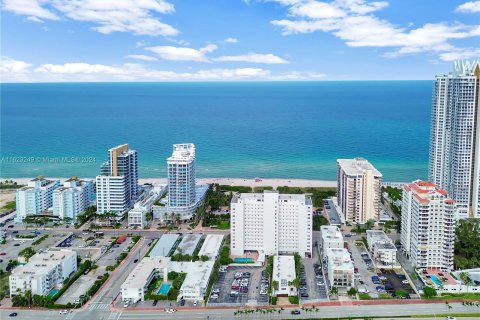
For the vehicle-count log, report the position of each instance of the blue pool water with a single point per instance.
(164, 288)
(436, 280)
(53, 292)
(260, 129)
(243, 260)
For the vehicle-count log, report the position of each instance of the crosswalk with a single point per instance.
(70, 316)
(98, 306)
(114, 315)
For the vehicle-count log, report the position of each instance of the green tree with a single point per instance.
(429, 292)
(352, 292)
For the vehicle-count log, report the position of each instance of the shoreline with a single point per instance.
(268, 182)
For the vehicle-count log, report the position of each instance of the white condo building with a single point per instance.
(428, 225)
(44, 272)
(73, 198)
(117, 184)
(284, 273)
(340, 268)
(271, 223)
(35, 198)
(382, 249)
(184, 196)
(331, 237)
(455, 139)
(358, 190)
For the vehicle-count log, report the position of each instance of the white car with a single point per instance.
(195, 302)
(170, 311)
(363, 290)
(320, 283)
(125, 305)
(214, 296)
(63, 312)
(405, 281)
(451, 318)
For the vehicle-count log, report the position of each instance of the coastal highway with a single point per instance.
(389, 311)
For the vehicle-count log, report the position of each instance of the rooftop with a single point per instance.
(357, 166)
(283, 269)
(43, 262)
(183, 152)
(339, 259)
(198, 273)
(425, 191)
(164, 246)
(189, 243)
(142, 271)
(211, 245)
(331, 233)
(281, 197)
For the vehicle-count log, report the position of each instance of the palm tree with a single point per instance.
(466, 279)
(178, 218)
(334, 291)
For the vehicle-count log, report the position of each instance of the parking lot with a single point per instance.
(395, 281)
(312, 284)
(13, 245)
(246, 282)
(363, 267)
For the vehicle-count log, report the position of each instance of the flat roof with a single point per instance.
(189, 243)
(164, 246)
(330, 233)
(283, 269)
(43, 262)
(380, 239)
(303, 198)
(139, 276)
(198, 273)
(183, 152)
(211, 245)
(357, 166)
(339, 259)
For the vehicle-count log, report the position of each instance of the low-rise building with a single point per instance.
(382, 248)
(196, 281)
(44, 272)
(35, 198)
(135, 286)
(72, 199)
(340, 268)
(284, 274)
(137, 217)
(166, 245)
(331, 237)
(194, 286)
(211, 246)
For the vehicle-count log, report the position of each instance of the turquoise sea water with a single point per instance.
(241, 129)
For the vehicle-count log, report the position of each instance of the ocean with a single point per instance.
(240, 129)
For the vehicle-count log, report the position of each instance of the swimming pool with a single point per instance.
(435, 279)
(164, 288)
(243, 260)
(53, 292)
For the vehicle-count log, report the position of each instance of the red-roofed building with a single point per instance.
(428, 225)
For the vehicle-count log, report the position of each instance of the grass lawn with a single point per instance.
(470, 295)
(224, 225)
(364, 296)
(9, 205)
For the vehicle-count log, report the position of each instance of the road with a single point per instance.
(388, 311)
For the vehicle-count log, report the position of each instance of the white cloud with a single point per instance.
(141, 57)
(353, 22)
(135, 16)
(182, 53)
(12, 70)
(253, 58)
(19, 71)
(460, 54)
(469, 7)
(33, 9)
(231, 40)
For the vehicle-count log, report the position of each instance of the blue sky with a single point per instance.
(167, 40)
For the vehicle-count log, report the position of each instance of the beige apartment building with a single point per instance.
(359, 190)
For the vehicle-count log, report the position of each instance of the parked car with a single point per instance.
(154, 303)
(170, 311)
(296, 312)
(135, 261)
(13, 314)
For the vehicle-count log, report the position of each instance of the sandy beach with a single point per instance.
(226, 181)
